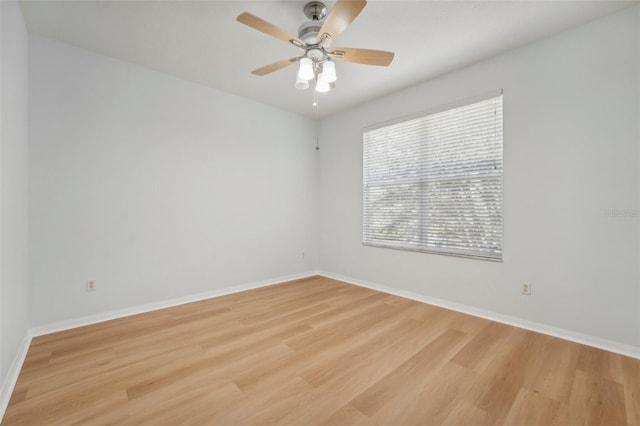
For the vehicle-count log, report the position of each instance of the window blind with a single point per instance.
(434, 183)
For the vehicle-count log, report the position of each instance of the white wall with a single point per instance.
(14, 279)
(571, 144)
(158, 188)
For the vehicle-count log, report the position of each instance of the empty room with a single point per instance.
(339, 212)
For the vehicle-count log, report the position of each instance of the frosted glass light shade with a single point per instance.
(322, 85)
(329, 72)
(301, 84)
(305, 72)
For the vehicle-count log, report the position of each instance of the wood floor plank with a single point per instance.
(467, 414)
(482, 348)
(433, 401)
(601, 363)
(338, 365)
(631, 374)
(347, 415)
(532, 409)
(214, 356)
(596, 400)
(504, 376)
(211, 387)
(552, 365)
(408, 375)
(318, 352)
(263, 408)
(67, 384)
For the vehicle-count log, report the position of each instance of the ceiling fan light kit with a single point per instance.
(306, 71)
(314, 39)
(301, 84)
(329, 72)
(322, 86)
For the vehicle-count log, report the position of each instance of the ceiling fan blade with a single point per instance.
(267, 28)
(268, 69)
(339, 18)
(362, 56)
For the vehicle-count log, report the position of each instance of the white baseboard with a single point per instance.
(13, 373)
(585, 339)
(134, 310)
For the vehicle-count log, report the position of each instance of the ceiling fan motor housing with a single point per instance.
(308, 31)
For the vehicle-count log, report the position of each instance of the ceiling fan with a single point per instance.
(314, 39)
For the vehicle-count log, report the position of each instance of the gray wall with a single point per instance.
(14, 276)
(158, 188)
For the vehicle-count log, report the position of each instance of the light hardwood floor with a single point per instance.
(318, 351)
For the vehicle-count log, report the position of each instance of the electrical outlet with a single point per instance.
(525, 288)
(91, 285)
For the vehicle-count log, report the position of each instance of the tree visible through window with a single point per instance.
(434, 183)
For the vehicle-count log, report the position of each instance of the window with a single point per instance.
(434, 183)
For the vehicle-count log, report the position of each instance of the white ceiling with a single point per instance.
(202, 42)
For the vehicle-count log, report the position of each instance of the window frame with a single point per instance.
(419, 245)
